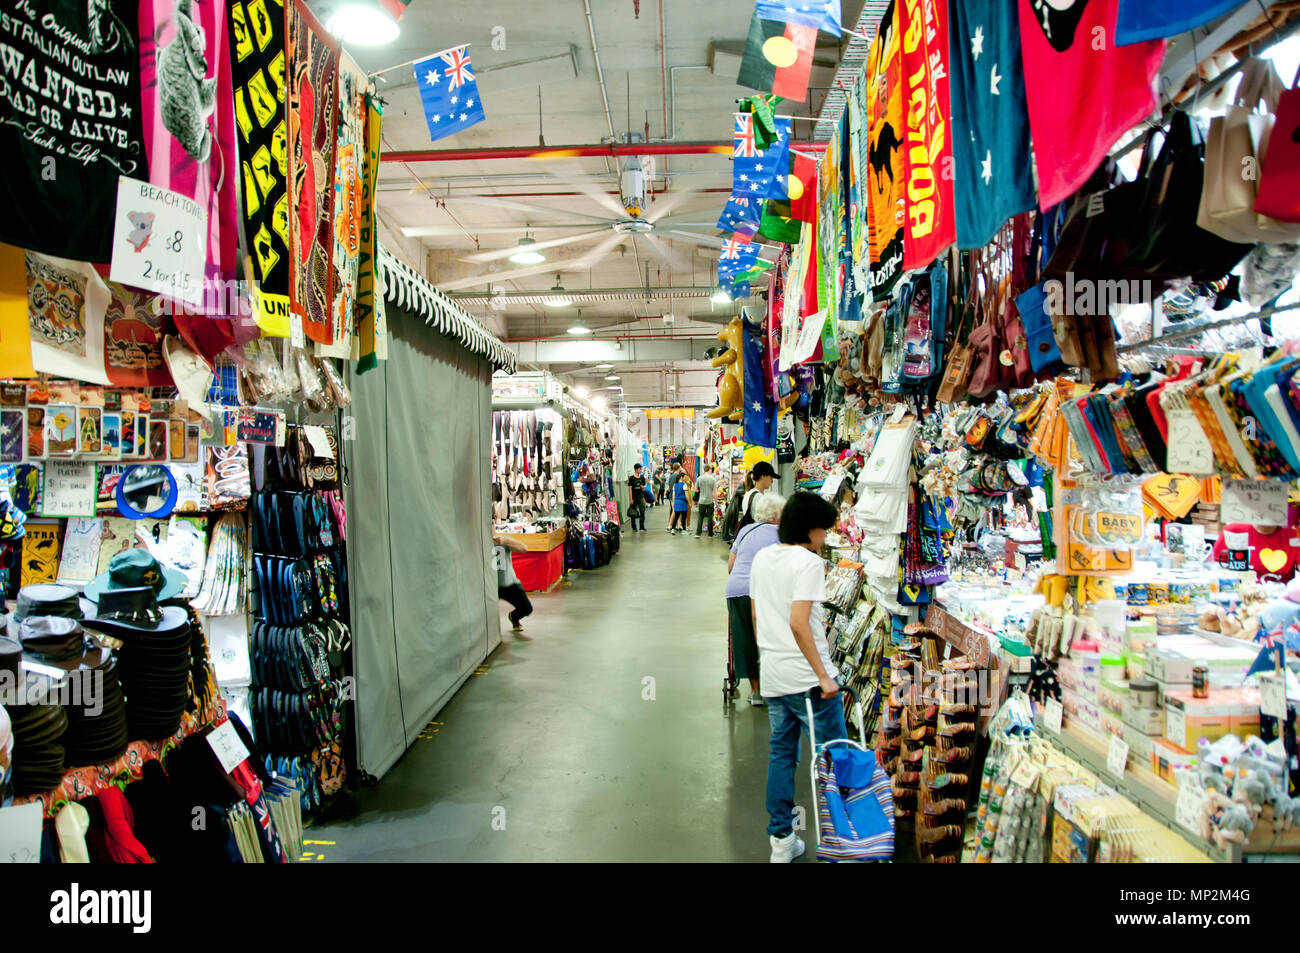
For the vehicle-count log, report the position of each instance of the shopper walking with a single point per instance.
(731, 518)
(762, 474)
(705, 486)
(787, 585)
(636, 499)
(508, 585)
(681, 488)
(740, 619)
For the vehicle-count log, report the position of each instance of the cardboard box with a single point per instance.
(1147, 721)
(1167, 757)
(1139, 744)
(1188, 718)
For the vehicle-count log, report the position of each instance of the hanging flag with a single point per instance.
(803, 187)
(887, 163)
(778, 58)
(760, 410)
(1269, 659)
(930, 225)
(764, 120)
(449, 92)
(778, 224)
(759, 173)
(736, 256)
(992, 177)
(1140, 20)
(818, 14)
(741, 215)
(1072, 69)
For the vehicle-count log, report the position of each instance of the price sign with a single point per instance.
(68, 488)
(832, 486)
(1191, 795)
(1272, 695)
(159, 241)
(296, 336)
(1052, 715)
(230, 751)
(1189, 448)
(1117, 756)
(1259, 502)
(1026, 774)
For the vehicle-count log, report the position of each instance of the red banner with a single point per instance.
(931, 222)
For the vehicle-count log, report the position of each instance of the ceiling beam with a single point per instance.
(602, 150)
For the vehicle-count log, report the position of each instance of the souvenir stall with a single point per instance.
(1051, 393)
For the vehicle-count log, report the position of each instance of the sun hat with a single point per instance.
(136, 610)
(134, 568)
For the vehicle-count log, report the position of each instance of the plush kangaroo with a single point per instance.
(188, 97)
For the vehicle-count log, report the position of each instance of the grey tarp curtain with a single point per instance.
(424, 602)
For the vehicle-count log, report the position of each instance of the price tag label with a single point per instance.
(1259, 502)
(320, 443)
(1272, 695)
(1117, 756)
(159, 241)
(296, 336)
(1026, 774)
(1052, 714)
(230, 751)
(1189, 448)
(1187, 808)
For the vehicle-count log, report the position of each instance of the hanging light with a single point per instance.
(603, 367)
(558, 298)
(578, 327)
(613, 377)
(581, 391)
(362, 23)
(527, 255)
(720, 297)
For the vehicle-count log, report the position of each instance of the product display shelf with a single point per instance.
(1155, 796)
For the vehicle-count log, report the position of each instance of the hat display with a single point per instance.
(46, 599)
(38, 728)
(134, 568)
(154, 661)
(11, 653)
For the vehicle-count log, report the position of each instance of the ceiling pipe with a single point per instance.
(600, 73)
(601, 150)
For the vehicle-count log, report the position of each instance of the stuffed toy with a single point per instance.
(1254, 789)
(1225, 821)
(731, 391)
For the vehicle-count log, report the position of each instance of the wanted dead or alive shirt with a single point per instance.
(69, 122)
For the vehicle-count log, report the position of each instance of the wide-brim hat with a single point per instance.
(127, 611)
(47, 599)
(136, 568)
(57, 641)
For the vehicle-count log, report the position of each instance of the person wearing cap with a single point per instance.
(762, 474)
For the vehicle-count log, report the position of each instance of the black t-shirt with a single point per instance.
(636, 484)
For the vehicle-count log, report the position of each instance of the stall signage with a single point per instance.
(1259, 502)
(259, 426)
(657, 413)
(159, 241)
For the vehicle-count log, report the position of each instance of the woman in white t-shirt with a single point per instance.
(787, 586)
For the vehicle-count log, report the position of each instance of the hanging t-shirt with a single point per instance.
(1084, 92)
(779, 577)
(930, 225)
(69, 123)
(1241, 547)
(189, 125)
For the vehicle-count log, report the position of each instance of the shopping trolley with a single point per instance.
(730, 682)
(854, 819)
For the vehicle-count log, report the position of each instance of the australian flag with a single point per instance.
(760, 173)
(821, 15)
(449, 92)
(760, 412)
(741, 215)
(737, 256)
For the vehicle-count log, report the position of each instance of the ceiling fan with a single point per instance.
(631, 216)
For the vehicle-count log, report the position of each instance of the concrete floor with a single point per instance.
(599, 734)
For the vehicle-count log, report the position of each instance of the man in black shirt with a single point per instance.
(636, 484)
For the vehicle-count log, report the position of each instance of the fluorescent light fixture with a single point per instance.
(603, 367)
(579, 328)
(598, 403)
(362, 23)
(581, 391)
(558, 298)
(526, 254)
(719, 296)
(613, 377)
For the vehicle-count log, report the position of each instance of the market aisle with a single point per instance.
(557, 733)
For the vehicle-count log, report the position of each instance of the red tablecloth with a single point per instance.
(538, 571)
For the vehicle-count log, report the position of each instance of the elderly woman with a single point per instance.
(766, 509)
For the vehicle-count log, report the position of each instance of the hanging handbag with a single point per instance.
(1166, 238)
(1233, 148)
(957, 372)
(1279, 176)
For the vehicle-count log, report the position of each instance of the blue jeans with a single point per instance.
(788, 716)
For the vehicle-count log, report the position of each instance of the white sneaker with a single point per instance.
(757, 700)
(786, 849)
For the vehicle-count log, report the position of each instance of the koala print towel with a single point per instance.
(69, 122)
(189, 121)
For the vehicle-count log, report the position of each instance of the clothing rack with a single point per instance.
(1191, 332)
